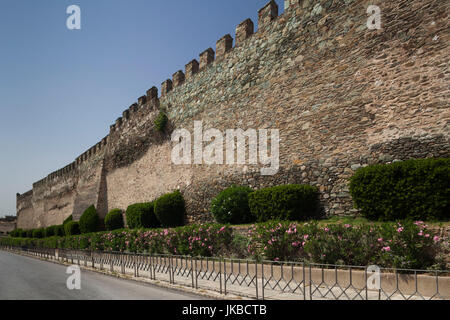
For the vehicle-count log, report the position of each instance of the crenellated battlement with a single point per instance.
(224, 45)
(72, 168)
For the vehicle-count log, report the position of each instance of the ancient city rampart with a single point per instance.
(342, 96)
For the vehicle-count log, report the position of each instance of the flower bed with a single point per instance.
(399, 245)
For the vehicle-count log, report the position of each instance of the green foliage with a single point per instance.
(141, 215)
(59, 231)
(68, 219)
(14, 233)
(30, 233)
(231, 206)
(288, 202)
(72, 228)
(391, 245)
(413, 189)
(38, 233)
(399, 245)
(161, 121)
(49, 231)
(170, 209)
(114, 220)
(89, 221)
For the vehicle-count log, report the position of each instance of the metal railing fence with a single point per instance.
(261, 279)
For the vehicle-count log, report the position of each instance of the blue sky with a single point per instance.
(61, 89)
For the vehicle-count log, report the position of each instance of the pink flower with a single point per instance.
(380, 240)
(400, 229)
(306, 237)
(326, 229)
(420, 233)
(427, 235)
(387, 249)
(436, 239)
(347, 226)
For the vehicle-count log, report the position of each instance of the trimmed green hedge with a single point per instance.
(38, 233)
(72, 228)
(170, 209)
(231, 206)
(288, 202)
(413, 189)
(49, 231)
(114, 220)
(141, 215)
(89, 221)
(59, 231)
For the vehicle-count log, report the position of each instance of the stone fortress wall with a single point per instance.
(341, 95)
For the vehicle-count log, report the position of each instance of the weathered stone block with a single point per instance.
(191, 69)
(178, 78)
(244, 30)
(223, 45)
(291, 4)
(267, 14)
(142, 100)
(152, 93)
(166, 87)
(206, 58)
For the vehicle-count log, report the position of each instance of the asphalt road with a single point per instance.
(24, 278)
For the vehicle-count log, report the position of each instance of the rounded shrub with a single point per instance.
(38, 233)
(59, 231)
(21, 233)
(231, 206)
(142, 215)
(414, 189)
(68, 219)
(170, 209)
(114, 220)
(72, 228)
(89, 221)
(14, 233)
(49, 232)
(288, 202)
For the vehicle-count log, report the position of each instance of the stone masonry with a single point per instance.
(342, 96)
